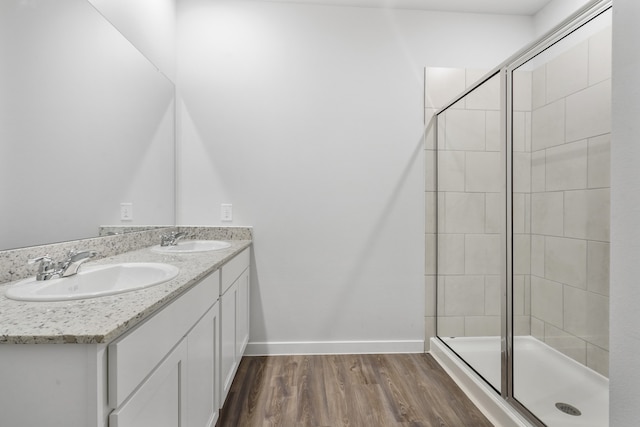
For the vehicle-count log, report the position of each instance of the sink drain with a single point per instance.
(568, 409)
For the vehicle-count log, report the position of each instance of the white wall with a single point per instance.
(309, 120)
(554, 13)
(625, 213)
(147, 24)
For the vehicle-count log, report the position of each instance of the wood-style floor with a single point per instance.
(347, 390)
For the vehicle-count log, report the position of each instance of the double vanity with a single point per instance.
(160, 354)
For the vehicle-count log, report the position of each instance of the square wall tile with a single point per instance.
(588, 112)
(440, 280)
(598, 359)
(429, 331)
(537, 328)
(522, 90)
(451, 254)
(518, 131)
(483, 254)
(547, 126)
(547, 213)
(430, 212)
(539, 87)
(487, 95)
(566, 343)
(566, 261)
(568, 72)
(451, 169)
(430, 295)
(493, 138)
(586, 214)
(566, 167)
(430, 170)
(586, 315)
(441, 128)
(442, 85)
(546, 301)
(494, 217)
(449, 326)
(482, 326)
(527, 295)
(462, 295)
(492, 295)
(522, 325)
(600, 161)
(538, 171)
(519, 290)
(430, 254)
(537, 255)
(522, 172)
(484, 172)
(465, 130)
(528, 136)
(519, 214)
(600, 47)
(598, 320)
(442, 212)
(430, 129)
(598, 267)
(465, 212)
(522, 254)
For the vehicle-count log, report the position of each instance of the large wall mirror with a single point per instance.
(86, 124)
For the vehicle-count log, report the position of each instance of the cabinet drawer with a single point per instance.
(233, 269)
(161, 400)
(133, 356)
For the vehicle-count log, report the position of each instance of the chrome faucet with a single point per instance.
(172, 238)
(49, 269)
(74, 260)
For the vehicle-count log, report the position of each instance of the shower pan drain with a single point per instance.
(568, 409)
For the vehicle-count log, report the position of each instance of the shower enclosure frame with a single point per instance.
(505, 70)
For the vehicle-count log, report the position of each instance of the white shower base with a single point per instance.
(542, 377)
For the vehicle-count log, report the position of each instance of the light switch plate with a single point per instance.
(126, 211)
(226, 212)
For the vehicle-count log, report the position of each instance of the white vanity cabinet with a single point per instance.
(172, 370)
(164, 372)
(234, 318)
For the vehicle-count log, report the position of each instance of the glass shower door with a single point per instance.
(470, 217)
(561, 133)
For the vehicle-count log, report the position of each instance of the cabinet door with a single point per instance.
(242, 315)
(228, 304)
(160, 401)
(203, 382)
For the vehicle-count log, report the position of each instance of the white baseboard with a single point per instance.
(333, 347)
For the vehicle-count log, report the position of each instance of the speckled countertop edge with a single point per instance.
(101, 320)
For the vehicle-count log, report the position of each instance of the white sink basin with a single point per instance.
(190, 246)
(94, 281)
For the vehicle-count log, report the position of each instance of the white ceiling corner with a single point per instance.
(501, 7)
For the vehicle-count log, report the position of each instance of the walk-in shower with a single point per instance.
(521, 170)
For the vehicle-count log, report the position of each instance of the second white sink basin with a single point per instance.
(190, 246)
(94, 281)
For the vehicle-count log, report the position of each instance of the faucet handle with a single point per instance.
(45, 259)
(46, 269)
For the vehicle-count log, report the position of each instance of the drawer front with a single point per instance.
(161, 400)
(133, 356)
(233, 269)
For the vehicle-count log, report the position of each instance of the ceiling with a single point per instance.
(507, 7)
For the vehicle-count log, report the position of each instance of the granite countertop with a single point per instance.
(101, 320)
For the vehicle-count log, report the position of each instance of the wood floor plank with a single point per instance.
(391, 390)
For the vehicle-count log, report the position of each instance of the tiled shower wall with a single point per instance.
(561, 127)
(570, 168)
